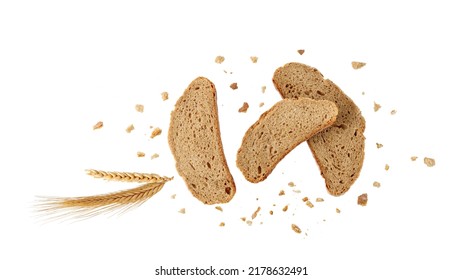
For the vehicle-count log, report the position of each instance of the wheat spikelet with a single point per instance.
(127, 176)
(60, 208)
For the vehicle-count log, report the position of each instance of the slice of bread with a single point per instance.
(279, 130)
(339, 150)
(194, 139)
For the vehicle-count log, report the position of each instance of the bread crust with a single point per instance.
(195, 141)
(338, 150)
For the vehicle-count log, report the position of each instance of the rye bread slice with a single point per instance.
(194, 139)
(278, 131)
(338, 150)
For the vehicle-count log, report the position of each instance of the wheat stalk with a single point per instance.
(127, 176)
(58, 208)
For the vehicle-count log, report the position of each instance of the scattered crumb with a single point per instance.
(234, 86)
(376, 184)
(157, 131)
(291, 184)
(249, 223)
(130, 128)
(308, 203)
(154, 156)
(362, 199)
(263, 89)
(261, 104)
(219, 208)
(296, 228)
(165, 96)
(140, 154)
(413, 158)
(430, 162)
(140, 108)
(363, 93)
(297, 191)
(271, 212)
(285, 208)
(173, 196)
(301, 52)
(282, 192)
(376, 107)
(357, 65)
(222, 224)
(386, 167)
(393, 112)
(254, 215)
(182, 211)
(243, 219)
(379, 146)
(338, 210)
(319, 199)
(305, 199)
(254, 59)
(219, 59)
(98, 125)
(244, 108)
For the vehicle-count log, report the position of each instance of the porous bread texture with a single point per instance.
(278, 131)
(194, 139)
(338, 150)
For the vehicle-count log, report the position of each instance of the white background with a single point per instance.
(64, 65)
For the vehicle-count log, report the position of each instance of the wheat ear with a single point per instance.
(127, 176)
(58, 208)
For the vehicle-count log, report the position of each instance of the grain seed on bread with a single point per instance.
(339, 149)
(195, 141)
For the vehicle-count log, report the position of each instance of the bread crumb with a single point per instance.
(261, 104)
(363, 93)
(222, 224)
(357, 65)
(182, 211)
(263, 89)
(282, 192)
(301, 52)
(319, 199)
(386, 167)
(254, 215)
(376, 184)
(338, 210)
(244, 108)
(296, 228)
(393, 112)
(376, 107)
(165, 96)
(254, 59)
(234, 86)
(413, 158)
(157, 131)
(379, 146)
(173, 196)
(430, 162)
(297, 191)
(140, 154)
(291, 184)
(140, 108)
(285, 208)
(305, 199)
(308, 203)
(249, 223)
(243, 219)
(154, 156)
(219, 59)
(271, 212)
(98, 125)
(130, 128)
(362, 199)
(219, 208)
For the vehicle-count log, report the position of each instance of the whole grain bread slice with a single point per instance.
(338, 150)
(194, 139)
(278, 131)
